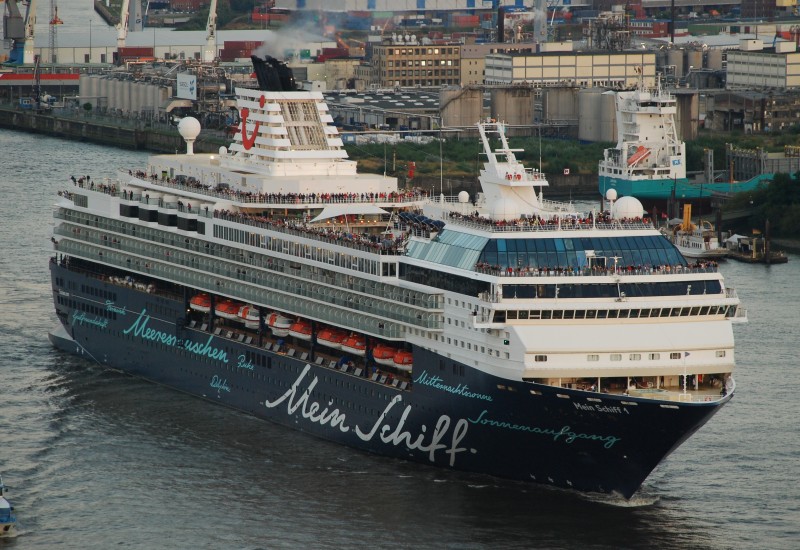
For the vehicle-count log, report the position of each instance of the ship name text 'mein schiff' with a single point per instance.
(500, 334)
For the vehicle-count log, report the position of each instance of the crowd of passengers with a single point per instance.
(698, 266)
(534, 221)
(287, 198)
(87, 183)
(363, 239)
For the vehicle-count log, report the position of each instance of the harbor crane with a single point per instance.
(28, 54)
(122, 26)
(210, 50)
(55, 20)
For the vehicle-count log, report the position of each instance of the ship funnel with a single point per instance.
(273, 75)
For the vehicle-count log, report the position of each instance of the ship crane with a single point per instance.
(210, 51)
(122, 26)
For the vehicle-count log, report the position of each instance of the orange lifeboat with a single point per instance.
(249, 316)
(403, 360)
(331, 337)
(278, 324)
(228, 309)
(640, 154)
(384, 355)
(201, 302)
(355, 344)
(301, 329)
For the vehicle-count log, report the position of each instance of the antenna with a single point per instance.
(441, 162)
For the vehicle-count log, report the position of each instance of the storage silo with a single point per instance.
(115, 94)
(694, 59)
(460, 106)
(141, 101)
(512, 105)
(559, 104)
(661, 60)
(104, 93)
(714, 60)
(675, 59)
(607, 128)
(588, 114)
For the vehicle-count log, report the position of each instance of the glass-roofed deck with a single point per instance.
(467, 251)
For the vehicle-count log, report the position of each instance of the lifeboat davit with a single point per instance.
(201, 302)
(301, 329)
(384, 355)
(355, 344)
(228, 309)
(403, 360)
(278, 324)
(331, 337)
(249, 316)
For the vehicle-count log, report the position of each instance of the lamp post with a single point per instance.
(90, 40)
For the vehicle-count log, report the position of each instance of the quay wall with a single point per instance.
(103, 132)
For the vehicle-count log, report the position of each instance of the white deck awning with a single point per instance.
(336, 210)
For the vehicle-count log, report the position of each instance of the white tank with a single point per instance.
(103, 91)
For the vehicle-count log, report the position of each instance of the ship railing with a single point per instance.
(731, 293)
(347, 239)
(287, 199)
(740, 316)
(105, 185)
(527, 225)
(585, 271)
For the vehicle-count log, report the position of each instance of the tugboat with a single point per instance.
(8, 521)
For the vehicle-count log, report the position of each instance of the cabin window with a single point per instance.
(616, 357)
(593, 357)
(540, 358)
(721, 353)
(674, 355)
(654, 356)
(635, 357)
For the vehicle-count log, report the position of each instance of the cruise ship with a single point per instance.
(497, 333)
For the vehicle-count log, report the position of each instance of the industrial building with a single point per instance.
(755, 67)
(583, 69)
(405, 62)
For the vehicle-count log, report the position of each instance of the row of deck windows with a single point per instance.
(286, 246)
(501, 316)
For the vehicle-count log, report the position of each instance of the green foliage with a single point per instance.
(464, 157)
(87, 106)
(778, 202)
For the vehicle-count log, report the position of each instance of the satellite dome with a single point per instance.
(611, 195)
(189, 127)
(627, 207)
(463, 197)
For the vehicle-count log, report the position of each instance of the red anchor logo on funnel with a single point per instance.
(249, 141)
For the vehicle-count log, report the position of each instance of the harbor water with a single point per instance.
(97, 459)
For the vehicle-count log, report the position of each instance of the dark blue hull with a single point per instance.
(451, 415)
